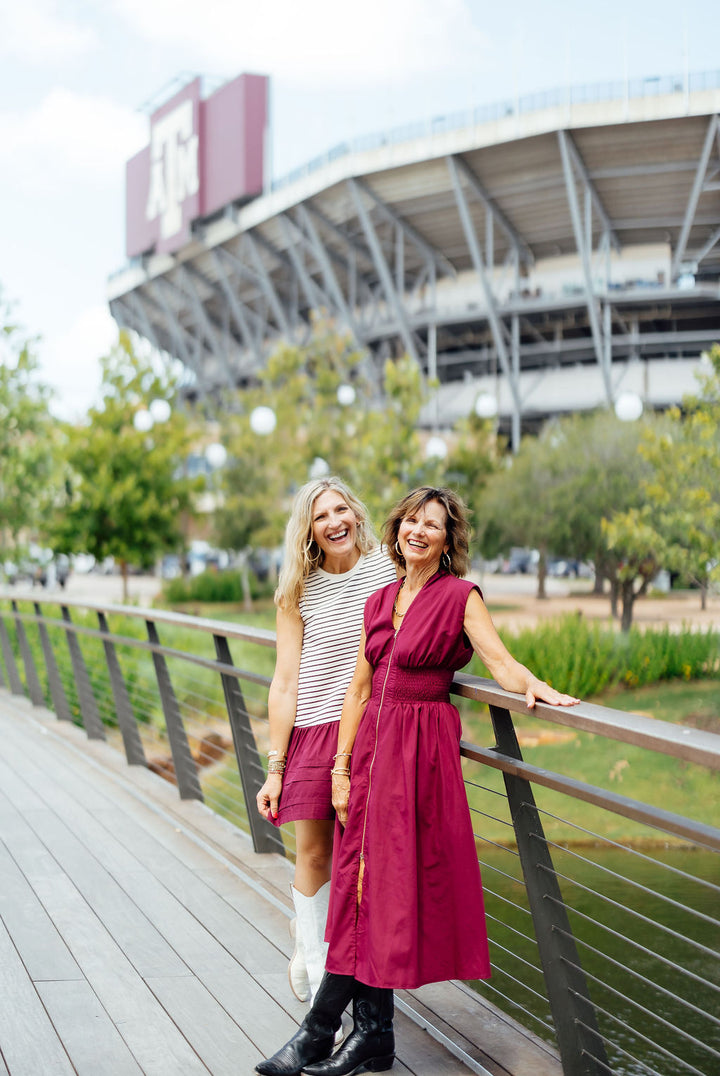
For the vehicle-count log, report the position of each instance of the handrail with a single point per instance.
(592, 1012)
(669, 822)
(689, 744)
(262, 636)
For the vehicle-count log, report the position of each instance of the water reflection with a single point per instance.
(647, 930)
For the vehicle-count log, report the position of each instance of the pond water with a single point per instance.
(647, 924)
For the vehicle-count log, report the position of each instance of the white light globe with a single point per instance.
(319, 468)
(143, 421)
(346, 395)
(160, 410)
(263, 421)
(436, 449)
(628, 406)
(216, 455)
(486, 406)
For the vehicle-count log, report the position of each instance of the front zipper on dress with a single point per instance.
(361, 869)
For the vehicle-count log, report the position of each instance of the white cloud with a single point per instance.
(316, 40)
(69, 135)
(70, 361)
(36, 31)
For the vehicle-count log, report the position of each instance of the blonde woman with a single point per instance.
(333, 562)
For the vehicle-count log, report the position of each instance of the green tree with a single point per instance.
(556, 493)
(28, 436)
(371, 440)
(603, 474)
(683, 491)
(476, 454)
(520, 504)
(125, 494)
(637, 550)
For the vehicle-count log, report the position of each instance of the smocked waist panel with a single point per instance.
(410, 685)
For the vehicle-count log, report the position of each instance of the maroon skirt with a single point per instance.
(307, 784)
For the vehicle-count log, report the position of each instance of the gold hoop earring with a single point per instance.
(446, 557)
(398, 550)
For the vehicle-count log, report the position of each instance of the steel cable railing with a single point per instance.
(653, 1016)
(628, 850)
(678, 1063)
(509, 1003)
(646, 890)
(622, 948)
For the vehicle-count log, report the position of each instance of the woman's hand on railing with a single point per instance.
(340, 796)
(539, 691)
(268, 797)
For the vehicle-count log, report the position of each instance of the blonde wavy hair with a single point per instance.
(302, 554)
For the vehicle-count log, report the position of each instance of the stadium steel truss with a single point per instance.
(550, 253)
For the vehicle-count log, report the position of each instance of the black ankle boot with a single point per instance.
(316, 1036)
(371, 1044)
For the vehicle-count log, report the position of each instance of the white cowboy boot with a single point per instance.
(310, 932)
(297, 968)
(311, 919)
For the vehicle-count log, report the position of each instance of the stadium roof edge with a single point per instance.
(324, 172)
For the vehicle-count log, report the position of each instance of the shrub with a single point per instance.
(213, 586)
(585, 658)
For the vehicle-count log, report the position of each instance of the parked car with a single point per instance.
(170, 566)
(566, 568)
(520, 562)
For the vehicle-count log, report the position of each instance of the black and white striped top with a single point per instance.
(332, 611)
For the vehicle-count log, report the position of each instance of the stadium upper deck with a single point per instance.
(550, 253)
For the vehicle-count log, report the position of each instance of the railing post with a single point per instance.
(37, 696)
(582, 1049)
(134, 750)
(88, 705)
(265, 837)
(16, 686)
(185, 768)
(57, 692)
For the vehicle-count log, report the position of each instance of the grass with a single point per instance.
(262, 614)
(653, 778)
(696, 704)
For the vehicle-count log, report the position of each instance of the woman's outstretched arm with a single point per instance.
(504, 668)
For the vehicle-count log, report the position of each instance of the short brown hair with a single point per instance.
(457, 526)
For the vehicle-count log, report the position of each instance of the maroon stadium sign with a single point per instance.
(203, 154)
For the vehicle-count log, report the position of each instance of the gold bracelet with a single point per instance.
(343, 772)
(276, 766)
(342, 754)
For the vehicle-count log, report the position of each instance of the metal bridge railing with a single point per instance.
(602, 909)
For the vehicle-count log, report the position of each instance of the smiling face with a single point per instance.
(422, 536)
(334, 526)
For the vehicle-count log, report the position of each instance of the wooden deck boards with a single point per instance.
(141, 934)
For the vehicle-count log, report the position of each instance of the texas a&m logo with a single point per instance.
(174, 167)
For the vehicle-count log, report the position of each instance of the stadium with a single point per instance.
(550, 254)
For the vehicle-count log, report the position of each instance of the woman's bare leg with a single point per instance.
(314, 842)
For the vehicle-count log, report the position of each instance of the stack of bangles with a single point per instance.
(343, 771)
(276, 765)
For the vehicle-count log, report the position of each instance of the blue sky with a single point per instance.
(75, 76)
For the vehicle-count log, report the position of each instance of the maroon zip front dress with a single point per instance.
(413, 913)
